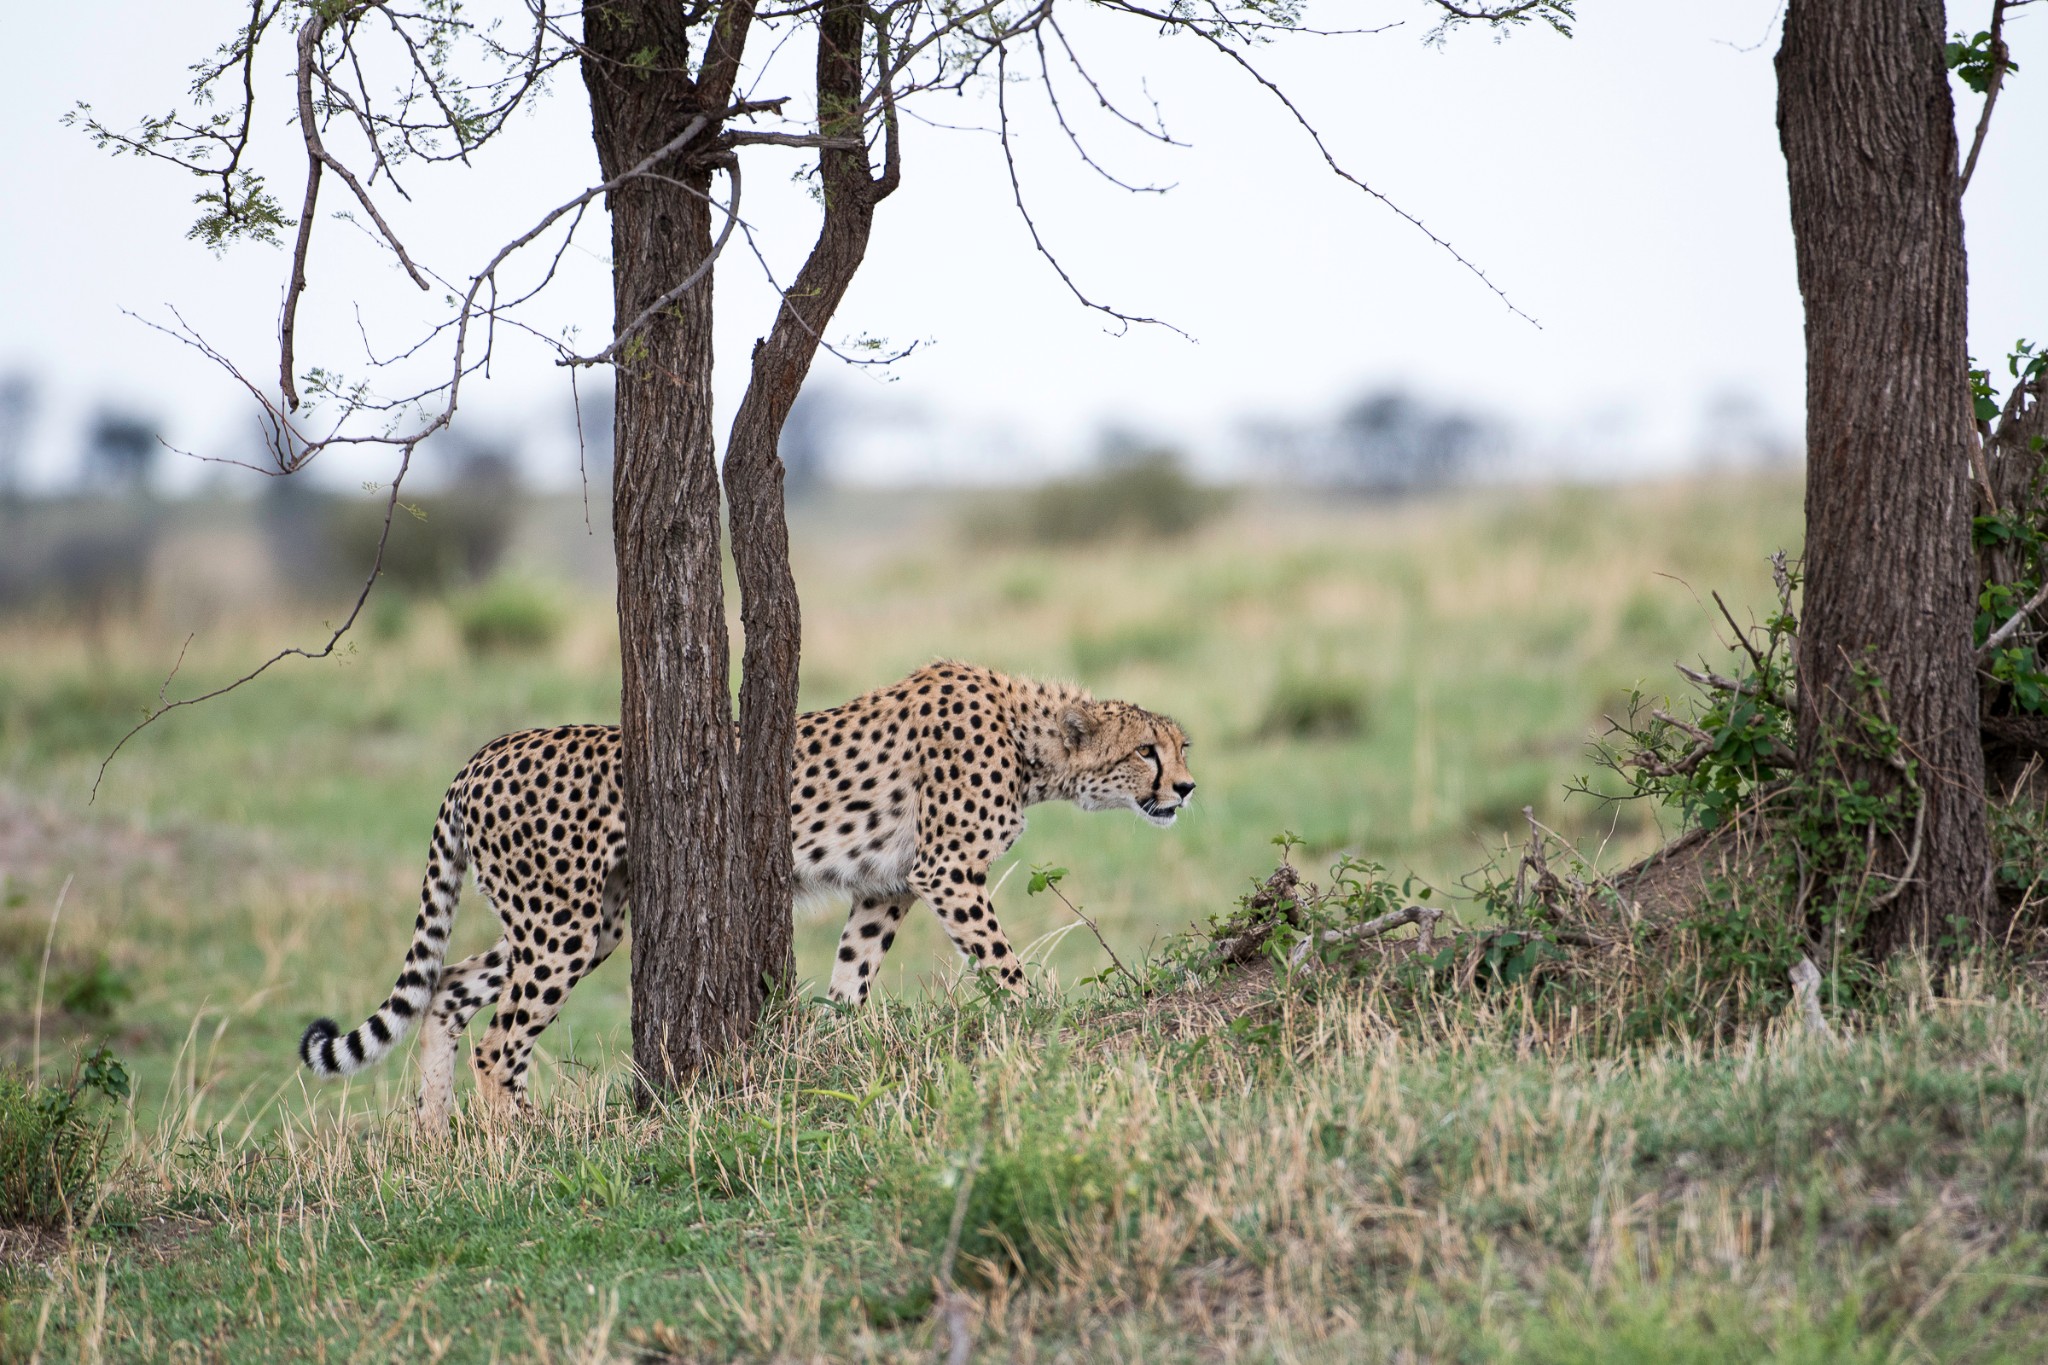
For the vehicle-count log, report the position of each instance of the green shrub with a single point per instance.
(436, 543)
(77, 714)
(508, 616)
(53, 1144)
(92, 992)
(1098, 653)
(1149, 497)
(1306, 706)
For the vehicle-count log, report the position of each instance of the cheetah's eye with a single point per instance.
(1147, 751)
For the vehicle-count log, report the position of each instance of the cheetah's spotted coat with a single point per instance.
(906, 793)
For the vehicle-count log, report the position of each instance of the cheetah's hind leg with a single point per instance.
(465, 988)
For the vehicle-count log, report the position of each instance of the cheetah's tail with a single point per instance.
(329, 1051)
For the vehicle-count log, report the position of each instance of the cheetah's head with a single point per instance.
(1127, 758)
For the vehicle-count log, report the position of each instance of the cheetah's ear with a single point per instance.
(1078, 724)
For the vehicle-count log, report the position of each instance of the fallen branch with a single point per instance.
(1424, 917)
(1998, 638)
(1715, 682)
(1806, 999)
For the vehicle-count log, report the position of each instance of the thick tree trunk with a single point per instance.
(708, 822)
(693, 963)
(1868, 130)
(753, 485)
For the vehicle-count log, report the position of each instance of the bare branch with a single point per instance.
(1017, 194)
(689, 282)
(1423, 917)
(1244, 64)
(1715, 682)
(309, 37)
(748, 138)
(321, 652)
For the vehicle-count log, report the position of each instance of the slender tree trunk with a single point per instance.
(692, 960)
(753, 484)
(1868, 129)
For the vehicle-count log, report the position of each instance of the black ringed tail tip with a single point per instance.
(317, 1032)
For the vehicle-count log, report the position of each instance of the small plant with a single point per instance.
(1315, 706)
(93, 992)
(509, 616)
(53, 1143)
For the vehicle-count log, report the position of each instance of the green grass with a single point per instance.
(1322, 1187)
(1330, 1180)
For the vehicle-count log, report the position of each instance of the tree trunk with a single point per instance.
(1868, 130)
(708, 821)
(692, 959)
(753, 484)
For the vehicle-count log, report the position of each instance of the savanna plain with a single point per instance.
(1219, 1167)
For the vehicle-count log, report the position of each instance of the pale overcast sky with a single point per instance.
(1624, 187)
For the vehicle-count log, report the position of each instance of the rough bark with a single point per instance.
(1868, 129)
(753, 484)
(692, 959)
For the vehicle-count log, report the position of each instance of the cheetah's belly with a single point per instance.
(849, 858)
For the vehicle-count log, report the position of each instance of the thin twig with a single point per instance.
(1316, 137)
(1017, 195)
(1094, 929)
(43, 976)
(1763, 669)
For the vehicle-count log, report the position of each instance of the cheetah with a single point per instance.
(906, 793)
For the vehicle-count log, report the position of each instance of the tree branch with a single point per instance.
(2001, 60)
(1017, 195)
(1998, 638)
(1321, 147)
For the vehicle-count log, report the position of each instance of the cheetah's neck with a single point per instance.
(1038, 711)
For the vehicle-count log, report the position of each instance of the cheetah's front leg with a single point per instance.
(959, 895)
(869, 931)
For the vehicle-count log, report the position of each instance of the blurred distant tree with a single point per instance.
(1386, 442)
(809, 438)
(674, 103)
(1392, 442)
(1736, 428)
(120, 452)
(17, 409)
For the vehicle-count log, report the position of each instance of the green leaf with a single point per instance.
(1043, 879)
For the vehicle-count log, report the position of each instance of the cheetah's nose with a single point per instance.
(1184, 788)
